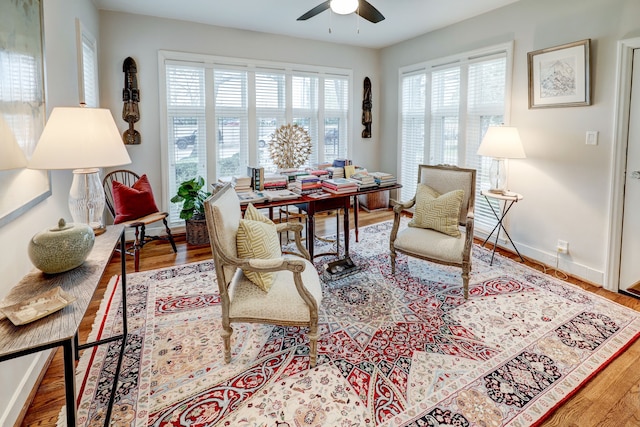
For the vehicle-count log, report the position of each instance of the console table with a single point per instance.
(61, 328)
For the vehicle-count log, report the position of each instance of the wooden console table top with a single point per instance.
(52, 330)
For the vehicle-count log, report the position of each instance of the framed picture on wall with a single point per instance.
(559, 76)
(22, 103)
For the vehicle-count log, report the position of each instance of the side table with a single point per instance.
(507, 201)
(60, 329)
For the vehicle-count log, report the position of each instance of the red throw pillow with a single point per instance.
(133, 202)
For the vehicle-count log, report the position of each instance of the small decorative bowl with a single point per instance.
(61, 248)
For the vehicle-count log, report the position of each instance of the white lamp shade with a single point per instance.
(343, 7)
(502, 142)
(79, 137)
(12, 156)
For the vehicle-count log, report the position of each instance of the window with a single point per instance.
(221, 113)
(446, 107)
(87, 66)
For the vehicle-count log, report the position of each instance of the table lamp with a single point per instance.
(83, 139)
(12, 155)
(500, 143)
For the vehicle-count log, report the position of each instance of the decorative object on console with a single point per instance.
(83, 139)
(130, 97)
(501, 143)
(560, 76)
(12, 155)
(290, 146)
(61, 248)
(192, 197)
(366, 108)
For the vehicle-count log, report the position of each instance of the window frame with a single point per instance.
(465, 59)
(83, 36)
(210, 63)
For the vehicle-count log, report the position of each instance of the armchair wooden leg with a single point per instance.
(313, 345)
(227, 330)
(393, 262)
(465, 284)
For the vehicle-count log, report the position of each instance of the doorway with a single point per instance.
(630, 242)
(621, 274)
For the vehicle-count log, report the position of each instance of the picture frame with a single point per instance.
(22, 107)
(560, 76)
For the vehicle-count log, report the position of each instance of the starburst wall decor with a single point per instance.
(290, 146)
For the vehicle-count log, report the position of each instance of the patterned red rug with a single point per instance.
(395, 350)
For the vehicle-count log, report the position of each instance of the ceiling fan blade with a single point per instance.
(316, 10)
(368, 12)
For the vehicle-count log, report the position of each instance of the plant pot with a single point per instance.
(197, 233)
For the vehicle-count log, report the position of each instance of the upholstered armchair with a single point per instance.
(257, 282)
(441, 229)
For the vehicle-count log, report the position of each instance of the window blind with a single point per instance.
(460, 98)
(186, 127)
(240, 104)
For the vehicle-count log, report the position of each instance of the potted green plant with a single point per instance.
(192, 197)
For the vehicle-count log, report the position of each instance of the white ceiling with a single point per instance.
(405, 19)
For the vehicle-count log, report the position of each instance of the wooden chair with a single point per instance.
(139, 225)
(294, 296)
(429, 244)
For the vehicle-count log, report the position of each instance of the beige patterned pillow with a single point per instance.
(254, 214)
(437, 212)
(258, 239)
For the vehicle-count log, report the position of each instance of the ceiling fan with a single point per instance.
(344, 7)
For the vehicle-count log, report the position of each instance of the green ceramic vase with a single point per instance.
(62, 248)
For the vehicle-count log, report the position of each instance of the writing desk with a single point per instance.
(61, 328)
(329, 201)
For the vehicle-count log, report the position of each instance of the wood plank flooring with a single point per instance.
(611, 398)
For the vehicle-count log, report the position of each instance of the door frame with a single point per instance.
(624, 64)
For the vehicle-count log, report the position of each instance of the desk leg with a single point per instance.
(356, 208)
(70, 381)
(311, 230)
(347, 202)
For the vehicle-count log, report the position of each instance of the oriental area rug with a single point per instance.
(395, 350)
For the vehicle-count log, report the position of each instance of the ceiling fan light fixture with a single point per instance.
(344, 7)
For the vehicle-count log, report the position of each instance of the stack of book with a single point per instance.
(305, 184)
(363, 180)
(241, 184)
(247, 197)
(336, 172)
(257, 177)
(291, 174)
(274, 181)
(273, 195)
(320, 173)
(339, 185)
(383, 179)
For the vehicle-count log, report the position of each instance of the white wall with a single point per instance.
(566, 184)
(141, 37)
(62, 90)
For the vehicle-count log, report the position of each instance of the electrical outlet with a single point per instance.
(562, 247)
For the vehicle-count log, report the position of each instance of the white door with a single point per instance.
(630, 250)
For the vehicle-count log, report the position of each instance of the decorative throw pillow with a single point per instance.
(254, 214)
(133, 202)
(437, 212)
(258, 239)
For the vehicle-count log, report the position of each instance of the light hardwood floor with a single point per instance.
(611, 398)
